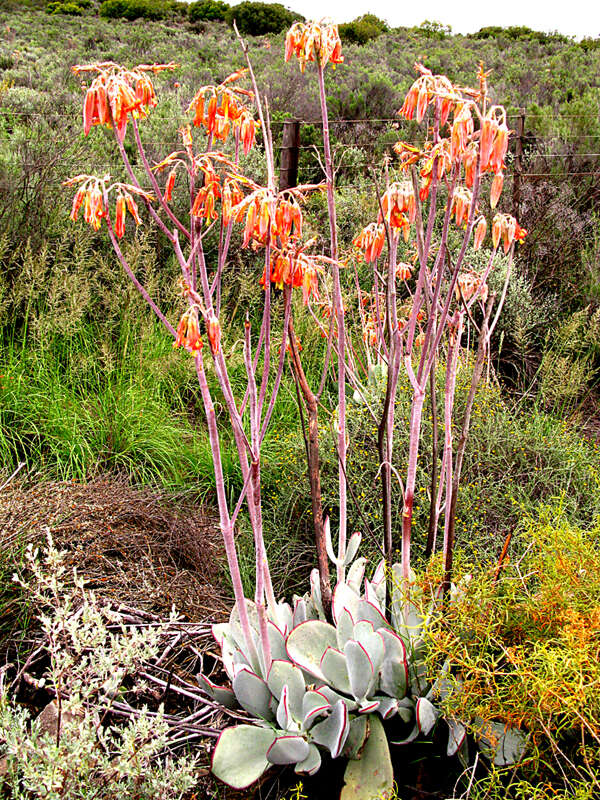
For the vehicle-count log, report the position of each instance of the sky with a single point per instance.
(572, 17)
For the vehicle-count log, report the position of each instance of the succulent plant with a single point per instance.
(329, 686)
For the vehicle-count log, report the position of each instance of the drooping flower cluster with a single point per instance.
(188, 332)
(371, 240)
(314, 41)
(470, 284)
(116, 92)
(424, 90)
(268, 214)
(219, 109)
(292, 266)
(91, 194)
(460, 147)
(461, 203)
(493, 147)
(506, 228)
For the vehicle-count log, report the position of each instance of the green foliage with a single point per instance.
(527, 648)
(74, 9)
(258, 19)
(88, 380)
(362, 29)
(135, 9)
(569, 366)
(518, 33)
(432, 29)
(213, 10)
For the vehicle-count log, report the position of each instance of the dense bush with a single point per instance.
(525, 641)
(73, 9)
(433, 29)
(208, 10)
(135, 9)
(518, 33)
(362, 29)
(257, 19)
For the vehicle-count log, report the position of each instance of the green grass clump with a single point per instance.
(515, 460)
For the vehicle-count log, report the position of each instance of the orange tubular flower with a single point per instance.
(422, 93)
(188, 333)
(232, 195)
(314, 40)
(496, 189)
(93, 209)
(494, 140)
(132, 208)
(77, 201)
(469, 160)
(91, 194)
(291, 266)
(462, 130)
(213, 329)
(219, 109)
(480, 231)
(116, 92)
(403, 271)
(170, 185)
(205, 200)
(461, 203)
(468, 285)
(120, 216)
(399, 207)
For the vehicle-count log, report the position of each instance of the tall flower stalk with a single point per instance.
(413, 315)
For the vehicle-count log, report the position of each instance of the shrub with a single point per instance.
(75, 749)
(362, 29)
(134, 9)
(526, 644)
(257, 19)
(518, 33)
(433, 29)
(73, 9)
(213, 10)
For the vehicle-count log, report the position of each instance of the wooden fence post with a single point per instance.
(290, 148)
(518, 168)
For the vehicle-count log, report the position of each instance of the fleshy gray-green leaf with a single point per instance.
(307, 643)
(426, 714)
(240, 757)
(253, 694)
(288, 750)
(332, 732)
(358, 733)
(335, 669)
(344, 597)
(360, 669)
(284, 673)
(312, 762)
(371, 776)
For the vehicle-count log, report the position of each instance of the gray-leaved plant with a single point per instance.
(91, 653)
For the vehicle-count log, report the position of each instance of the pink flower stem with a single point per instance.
(136, 183)
(159, 195)
(449, 392)
(129, 272)
(341, 327)
(254, 504)
(225, 521)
